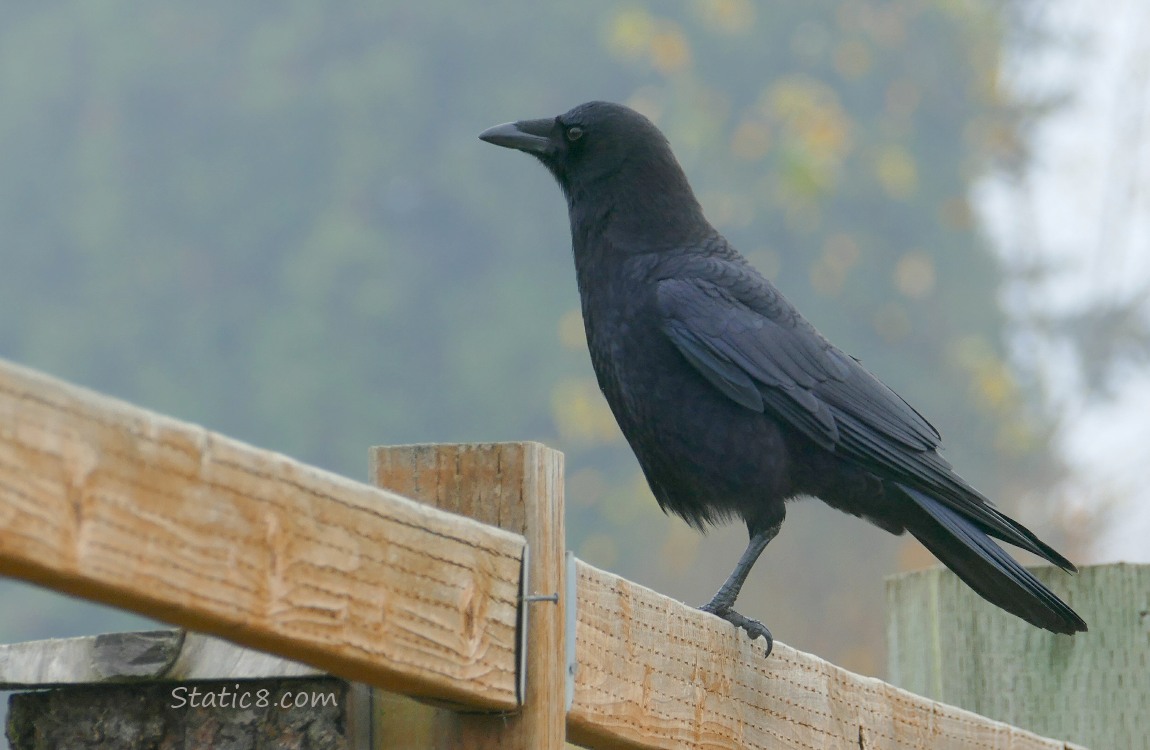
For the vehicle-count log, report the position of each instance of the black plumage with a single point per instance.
(732, 402)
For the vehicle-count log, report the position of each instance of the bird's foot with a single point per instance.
(754, 628)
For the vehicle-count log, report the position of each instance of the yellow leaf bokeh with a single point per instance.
(896, 171)
(580, 412)
(914, 275)
(728, 16)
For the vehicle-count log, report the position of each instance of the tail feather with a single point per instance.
(997, 577)
(1019, 535)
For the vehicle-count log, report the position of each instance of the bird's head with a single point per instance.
(601, 150)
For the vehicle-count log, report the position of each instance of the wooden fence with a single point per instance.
(400, 589)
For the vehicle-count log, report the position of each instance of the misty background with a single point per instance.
(274, 219)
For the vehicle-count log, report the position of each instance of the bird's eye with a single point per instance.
(574, 133)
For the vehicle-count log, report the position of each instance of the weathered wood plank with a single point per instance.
(151, 655)
(110, 502)
(655, 673)
(946, 643)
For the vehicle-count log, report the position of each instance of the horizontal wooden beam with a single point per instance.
(160, 655)
(113, 503)
(655, 673)
(119, 505)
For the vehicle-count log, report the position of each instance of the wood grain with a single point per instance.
(947, 643)
(168, 655)
(518, 487)
(656, 673)
(113, 503)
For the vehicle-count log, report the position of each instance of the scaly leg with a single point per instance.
(720, 605)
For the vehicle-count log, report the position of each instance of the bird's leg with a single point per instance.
(724, 599)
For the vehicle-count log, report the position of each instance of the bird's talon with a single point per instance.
(753, 628)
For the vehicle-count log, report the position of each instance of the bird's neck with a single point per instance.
(631, 217)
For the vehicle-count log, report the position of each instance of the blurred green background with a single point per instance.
(275, 219)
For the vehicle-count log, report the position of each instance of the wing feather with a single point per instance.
(797, 373)
(765, 357)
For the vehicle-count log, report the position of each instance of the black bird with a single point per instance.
(732, 402)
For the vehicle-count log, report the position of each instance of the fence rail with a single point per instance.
(116, 504)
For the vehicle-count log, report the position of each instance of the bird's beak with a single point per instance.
(532, 136)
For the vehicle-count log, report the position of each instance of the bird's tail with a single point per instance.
(964, 547)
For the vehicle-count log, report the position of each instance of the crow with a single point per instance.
(731, 401)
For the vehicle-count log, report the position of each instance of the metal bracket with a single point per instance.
(572, 587)
(525, 600)
(521, 660)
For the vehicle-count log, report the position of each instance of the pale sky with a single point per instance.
(1086, 209)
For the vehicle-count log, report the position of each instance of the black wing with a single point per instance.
(741, 349)
(764, 356)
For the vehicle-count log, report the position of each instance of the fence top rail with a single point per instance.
(110, 502)
(116, 504)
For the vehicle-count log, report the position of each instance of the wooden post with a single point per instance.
(948, 644)
(519, 487)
